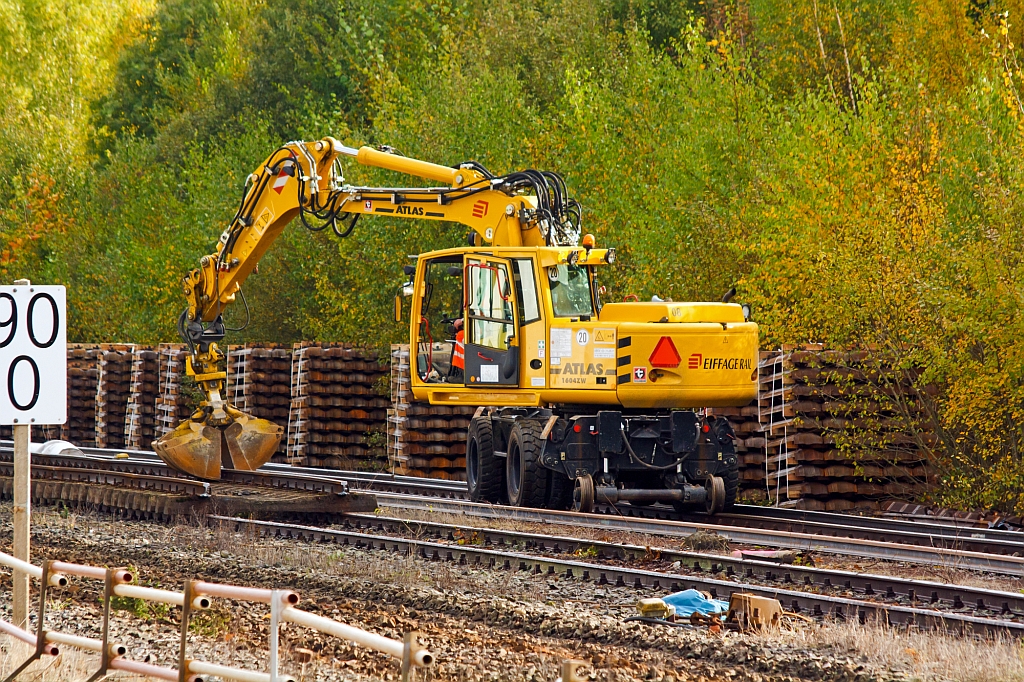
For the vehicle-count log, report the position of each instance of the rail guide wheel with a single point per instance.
(715, 501)
(583, 494)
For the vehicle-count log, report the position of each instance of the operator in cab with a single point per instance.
(458, 367)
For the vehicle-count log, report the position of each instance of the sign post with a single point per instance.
(22, 519)
(33, 390)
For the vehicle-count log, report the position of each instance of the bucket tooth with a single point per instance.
(251, 442)
(192, 448)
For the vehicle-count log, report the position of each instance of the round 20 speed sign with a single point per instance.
(33, 354)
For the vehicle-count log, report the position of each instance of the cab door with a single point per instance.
(492, 342)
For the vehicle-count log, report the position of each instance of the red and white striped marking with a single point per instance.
(281, 180)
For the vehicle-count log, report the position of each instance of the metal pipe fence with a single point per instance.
(196, 596)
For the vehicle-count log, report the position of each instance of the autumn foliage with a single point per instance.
(854, 168)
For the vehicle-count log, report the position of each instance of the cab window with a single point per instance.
(526, 290)
(570, 291)
(489, 303)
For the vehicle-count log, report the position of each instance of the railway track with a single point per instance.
(935, 544)
(895, 549)
(805, 589)
(949, 531)
(572, 568)
(892, 589)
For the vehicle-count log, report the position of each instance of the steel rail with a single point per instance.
(186, 486)
(387, 482)
(156, 471)
(276, 475)
(818, 605)
(768, 517)
(891, 551)
(869, 528)
(931, 525)
(809, 577)
(940, 548)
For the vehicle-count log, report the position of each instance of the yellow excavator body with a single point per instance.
(522, 303)
(631, 354)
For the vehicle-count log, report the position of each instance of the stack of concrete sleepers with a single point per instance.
(113, 388)
(83, 374)
(267, 386)
(339, 406)
(401, 397)
(835, 431)
(171, 404)
(424, 440)
(436, 440)
(140, 417)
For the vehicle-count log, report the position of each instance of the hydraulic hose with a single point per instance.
(636, 458)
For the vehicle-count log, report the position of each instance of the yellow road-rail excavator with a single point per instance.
(579, 401)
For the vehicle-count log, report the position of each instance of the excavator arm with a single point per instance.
(305, 180)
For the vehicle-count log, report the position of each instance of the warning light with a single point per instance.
(576, 428)
(706, 428)
(665, 354)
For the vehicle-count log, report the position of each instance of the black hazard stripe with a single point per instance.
(625, 378)
(625, 341)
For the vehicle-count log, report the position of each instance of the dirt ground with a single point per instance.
(480, 624)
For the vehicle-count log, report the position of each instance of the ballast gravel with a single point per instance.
(481, 624)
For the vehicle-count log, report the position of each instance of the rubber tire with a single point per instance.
(731, 474)
(560, 490)
(486, 480)
(522, 465)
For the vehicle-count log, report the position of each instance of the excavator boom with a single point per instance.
(304, 180)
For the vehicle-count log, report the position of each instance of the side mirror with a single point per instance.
(409, 270)
(398, 308)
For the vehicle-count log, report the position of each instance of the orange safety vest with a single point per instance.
(459, 355)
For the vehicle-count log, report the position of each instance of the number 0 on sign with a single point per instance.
(33, 355)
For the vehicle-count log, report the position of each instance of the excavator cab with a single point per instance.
(441, 291)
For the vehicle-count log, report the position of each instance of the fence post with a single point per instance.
(410, 645)
(186, 615)
(108, 595)
(44, 585)
(276, 604)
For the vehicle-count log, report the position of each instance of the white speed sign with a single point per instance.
(33, 355)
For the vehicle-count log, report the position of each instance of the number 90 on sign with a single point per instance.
(33, 355)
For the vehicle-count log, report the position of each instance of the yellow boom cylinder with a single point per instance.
(403, 164)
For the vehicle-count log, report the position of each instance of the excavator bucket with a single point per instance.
(192, 448)
(251, 442)
(199, 450)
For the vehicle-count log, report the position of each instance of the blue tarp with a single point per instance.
(688, 601)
